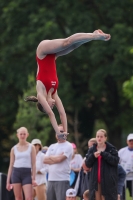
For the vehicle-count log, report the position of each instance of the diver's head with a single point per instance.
(34, 99)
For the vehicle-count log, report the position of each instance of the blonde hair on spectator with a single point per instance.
(86, 194)
(104, 131)
(23, 128)
(92, 140)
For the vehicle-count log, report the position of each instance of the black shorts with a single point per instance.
(21, 175)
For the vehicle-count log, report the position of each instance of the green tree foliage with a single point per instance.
(28, 116)
(90, 78)
(98, 69)
(128, 90)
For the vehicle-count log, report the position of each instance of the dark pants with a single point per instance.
(130, 189)
(56, 190)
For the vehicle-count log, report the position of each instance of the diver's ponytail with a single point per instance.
(34, 99)
(31, 98)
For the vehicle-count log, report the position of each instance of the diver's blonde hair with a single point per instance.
(35, 100)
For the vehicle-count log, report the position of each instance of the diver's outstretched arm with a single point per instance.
(61, 111)
(48, 110)
(58, 45)
(45, 106)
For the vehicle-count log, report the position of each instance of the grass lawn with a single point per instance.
(127, 196)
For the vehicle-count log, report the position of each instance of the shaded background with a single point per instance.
(95, 81)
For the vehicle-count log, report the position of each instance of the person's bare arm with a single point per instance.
(61, 111)
(33, 162)
(76, 169)
(12, 159)
(42, 100)
(47, 160)
(54, 159)
(59, 158)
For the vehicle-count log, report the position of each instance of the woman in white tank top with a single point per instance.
(21, 172)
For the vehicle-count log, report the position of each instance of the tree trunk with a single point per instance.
(115, 136)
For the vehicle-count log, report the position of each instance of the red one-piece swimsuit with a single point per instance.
(46, 72)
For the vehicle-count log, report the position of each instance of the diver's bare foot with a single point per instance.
(103, 36)
(100, 31)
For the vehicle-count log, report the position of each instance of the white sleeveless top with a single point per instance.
(22, 159)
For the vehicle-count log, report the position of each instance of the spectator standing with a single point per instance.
(121, 180)
(58, 157)
(121, 173)
(77, 159)
(85, 173)
(21, 172)
(41, 169)
(103, 160)
(90, 144)
(76, 163)
(126, 161)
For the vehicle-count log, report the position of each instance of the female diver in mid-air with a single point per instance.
(47, 81)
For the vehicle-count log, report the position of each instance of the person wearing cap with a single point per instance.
(58, 157)
(76, 163)
(71, 194)
(126, 161)
(41, 168)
